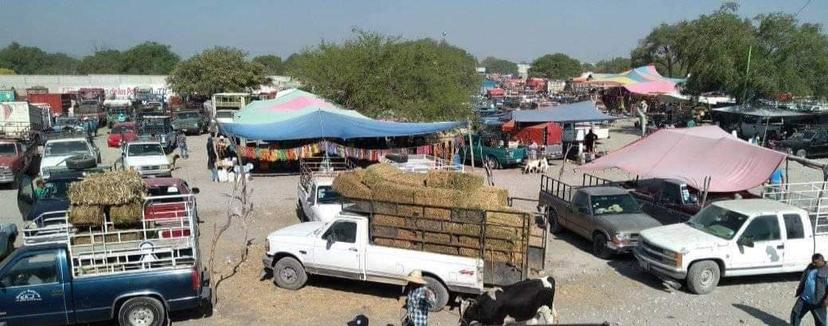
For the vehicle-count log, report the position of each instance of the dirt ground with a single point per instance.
(589, 290)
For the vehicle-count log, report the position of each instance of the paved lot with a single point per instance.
(589, 289)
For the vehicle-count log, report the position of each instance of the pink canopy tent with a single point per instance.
(693, 154)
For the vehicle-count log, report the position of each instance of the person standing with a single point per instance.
(211, 159)
(181, 141)
(419, 300)
(589, 141)
(642, 116)
(811, 293)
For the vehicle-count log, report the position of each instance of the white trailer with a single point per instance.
(20, 120)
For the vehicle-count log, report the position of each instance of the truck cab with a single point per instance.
(161, 128)
(15, 159)
(317, 199)
(146, 157)
(56, 152)
(487, 150)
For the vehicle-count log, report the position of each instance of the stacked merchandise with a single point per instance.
(116, 194)
(440, 211)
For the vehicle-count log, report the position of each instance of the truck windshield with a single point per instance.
(718, 221)
(55, 189)
(225, 114)
(7, 149)
(66, 148)
(326, 195)
(145, 150)
(615, 204)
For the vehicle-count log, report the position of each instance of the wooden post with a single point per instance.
(471, 145)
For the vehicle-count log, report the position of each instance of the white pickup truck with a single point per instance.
(147, 158)
(736, 238)
(317, 201)
(341, 248)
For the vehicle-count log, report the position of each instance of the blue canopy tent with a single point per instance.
(329, 125)
(568, 113)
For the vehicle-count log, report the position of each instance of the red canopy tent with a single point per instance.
(549, 133)
(496, 92)
(694, 154)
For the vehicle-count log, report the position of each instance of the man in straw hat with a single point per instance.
(418, 301)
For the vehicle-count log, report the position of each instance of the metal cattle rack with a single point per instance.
(810, 196)
(165, 238)
(422, 163)
(322, 167)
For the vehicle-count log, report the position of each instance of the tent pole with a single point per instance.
(706, 189)
(471, 145)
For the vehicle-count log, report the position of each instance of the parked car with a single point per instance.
(118, 112)
(16, 157)
(734, 238)
(70, 124)
(146, 157)
(56, 152)
(486, 151)
(193, 122)
(159, 127)
(806, 144)
(607, 215)
(122, 133)
(8, 234)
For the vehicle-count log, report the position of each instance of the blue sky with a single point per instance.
(516, 30)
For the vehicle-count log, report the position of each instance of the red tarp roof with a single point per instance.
(691, 155)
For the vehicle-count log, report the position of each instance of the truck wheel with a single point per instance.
(801, 153)
(142, 311)
(599, 246)
(491, 162)
(703, 277)
(288, 273)
(440, 292)
(552, 219)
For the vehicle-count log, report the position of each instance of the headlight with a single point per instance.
(678, 257)
(165, 166)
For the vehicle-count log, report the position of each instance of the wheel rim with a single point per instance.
(141, 316)
(288, 275)
(706, 277)
(490, 163)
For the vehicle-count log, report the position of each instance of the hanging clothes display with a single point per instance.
(273, 153)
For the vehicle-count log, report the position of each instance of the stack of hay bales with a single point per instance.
(439, 211)
(121, 193)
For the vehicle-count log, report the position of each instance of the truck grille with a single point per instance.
(657, 253)
(6, 173)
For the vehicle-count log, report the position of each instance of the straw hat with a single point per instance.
(416, 276)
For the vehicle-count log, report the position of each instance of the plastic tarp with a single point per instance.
(693, 154)
(575, 112)
(642, 80)
(553, 132)
(759, 111)
(330, 125)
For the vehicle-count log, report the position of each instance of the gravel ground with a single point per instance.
(589, 289)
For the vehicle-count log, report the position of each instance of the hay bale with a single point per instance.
(502, 245)
(411, 211)
(386, 220)
(459, 228)
(377, 174)
(501, 232)
(349, 185)
(466, 182)
(440, 249)
(506, 217)
(437, 213)
(407, 235)
(429, 225)
(107, 189)
(359, 173)
(486, 198)
(409, 179)
(438, 197)
(440, 238)
(467, 241)
(384, 208)
(384, 231)
(126, 215)
(394, 243)
(87, 215)
(395, 193)
(469, 252)
(467, 216)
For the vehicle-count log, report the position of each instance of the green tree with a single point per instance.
(660, 48)
(102, 62)
(31, 60)
(216, 70)
(387, 77)
(149, 58)
(499, 66)
(7, 71)
(272, 64)
(614, 65)
(555, 66)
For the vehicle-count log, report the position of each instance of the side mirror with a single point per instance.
(330, 240)
(195, 191)
(744, 241)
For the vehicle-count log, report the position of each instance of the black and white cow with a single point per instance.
(523, 301)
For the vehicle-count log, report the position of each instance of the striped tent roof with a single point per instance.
(287, 105)
(642, 80)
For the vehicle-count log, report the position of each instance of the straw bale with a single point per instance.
(377, 174)
(384, 231)
(466, 182)
(386, 220)
(465, 229)
(502, 245)
(359, 173)
(486, 198)
(437, 238)
(467, 216)
(126, 215)
(497, 256)
(385, 208)
(429, 225)
(438, 197)
(407, 234)
(536, 242)
(469, 252)
(411, 211)
(110, 188)
(91, 215)
(506, 217)
(440, 249)
(536, 231)
(349, 186)
(408, 179)
(468, 241)
(395, 193)
(437, 213)
(501, 232)
(394, 243)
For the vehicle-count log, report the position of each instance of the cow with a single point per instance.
(536, 166)
(523, 301)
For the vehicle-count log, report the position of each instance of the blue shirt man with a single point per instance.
(811, 293)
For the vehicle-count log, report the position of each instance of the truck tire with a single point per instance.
(703, 277)
(440, 292)
(599, 246)
(801, 153)
(491, 162)
(80, 162)
(142, 311)
(289, 274)
(552, 221)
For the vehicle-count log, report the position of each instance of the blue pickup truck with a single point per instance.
(62, 277)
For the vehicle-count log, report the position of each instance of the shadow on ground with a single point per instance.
(764, 317)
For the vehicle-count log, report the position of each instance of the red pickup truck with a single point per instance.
(16, 157)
